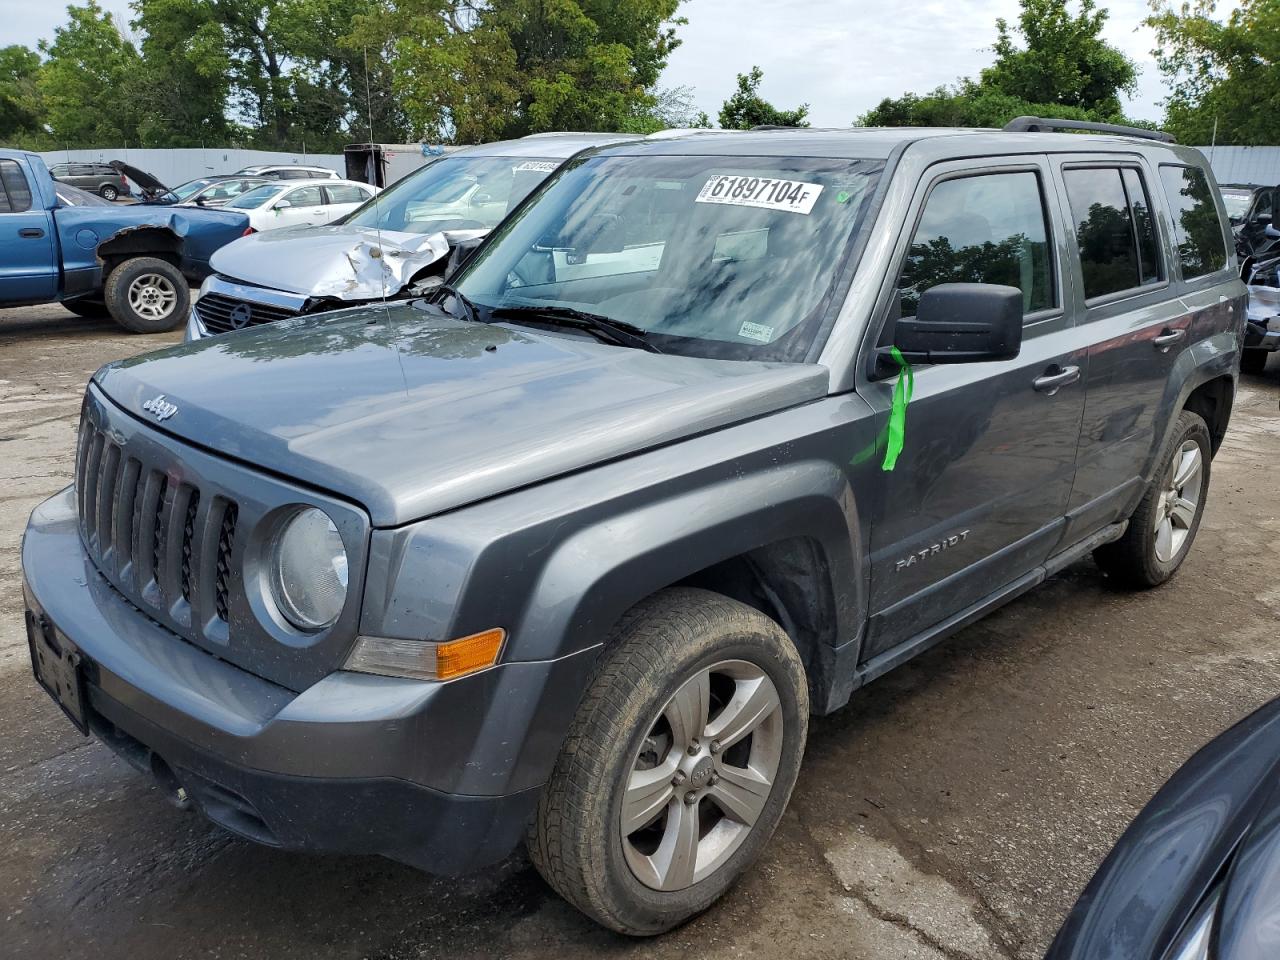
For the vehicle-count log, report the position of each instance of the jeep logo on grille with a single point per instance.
(160, 407)
(240, 316)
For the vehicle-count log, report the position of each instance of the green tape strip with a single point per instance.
(898, 412)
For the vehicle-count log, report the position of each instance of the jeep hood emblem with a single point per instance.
(160, 407)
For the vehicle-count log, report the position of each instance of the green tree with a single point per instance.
(1065, 60)
(1063, 69)
(471, 72)
(746, 108)
(1223, 72)
(87, 66)
(181, 86)
(21, 110)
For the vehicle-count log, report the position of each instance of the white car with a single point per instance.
(295, 203)
(287, 171)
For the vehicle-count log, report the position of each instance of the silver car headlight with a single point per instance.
(309, 570)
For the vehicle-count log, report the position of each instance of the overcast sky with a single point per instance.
(839, 56)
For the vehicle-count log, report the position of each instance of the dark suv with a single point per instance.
(99, 178)
(710, 432)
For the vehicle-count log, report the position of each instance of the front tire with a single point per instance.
(148, 295)
(108, 192)
(1164, 526)
(678, 765)
(1253, 361)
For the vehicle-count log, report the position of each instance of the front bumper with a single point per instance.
(355, 764)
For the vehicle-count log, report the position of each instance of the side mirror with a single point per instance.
(1262, 219)
(282, 205)
(962, 323)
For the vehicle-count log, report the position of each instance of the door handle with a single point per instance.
(1167, 338)
(33, 233)
(1051, 383)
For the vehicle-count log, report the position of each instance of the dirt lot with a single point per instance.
(953, 810)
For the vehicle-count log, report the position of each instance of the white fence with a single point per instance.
(174, 166)
(1259, 165)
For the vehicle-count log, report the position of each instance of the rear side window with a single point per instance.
(1115, 232)
(989, 228)
(15, 195)
(345, 193)
(1202, 248)
(305, 197)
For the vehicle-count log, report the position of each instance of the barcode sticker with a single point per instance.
(537, 166)
(768, 193)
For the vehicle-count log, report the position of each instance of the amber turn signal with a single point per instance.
(423, 660)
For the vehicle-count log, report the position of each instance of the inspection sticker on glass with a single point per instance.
(756, 331)
(538, 166)
(769, 193)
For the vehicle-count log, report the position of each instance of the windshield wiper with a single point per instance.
(449, 290)
(618, 332)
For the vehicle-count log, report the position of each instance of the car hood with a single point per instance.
(342, 262)
(141, 178)
(412, 413)
(1216, 816)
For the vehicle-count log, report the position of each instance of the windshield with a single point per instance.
(1237, 202)
(187, 189)
(731, 257)
(258, 196)
(454, 193)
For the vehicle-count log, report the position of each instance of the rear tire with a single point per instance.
(108, 192)
(1253, 361)
(1164, 526)
(148, 295)
(649, 817)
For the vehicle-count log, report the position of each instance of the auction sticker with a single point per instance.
(538, 166)
(768, 193)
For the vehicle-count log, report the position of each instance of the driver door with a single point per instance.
(978, 496)
(306, 206)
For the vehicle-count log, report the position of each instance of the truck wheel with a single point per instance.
(108, 192)
(1162, 529)
(678, 765)
(148, 295)
(1253, 361)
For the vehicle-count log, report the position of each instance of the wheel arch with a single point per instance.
(141, 241)
(1213, 401)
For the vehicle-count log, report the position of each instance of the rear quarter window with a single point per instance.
(1198, 231)
(15, 192)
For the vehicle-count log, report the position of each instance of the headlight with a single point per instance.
(309, 570)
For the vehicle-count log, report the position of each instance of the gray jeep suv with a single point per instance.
(710, 433)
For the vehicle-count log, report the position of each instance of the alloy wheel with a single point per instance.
(702, 775)
(152, 296)
(1179, 501)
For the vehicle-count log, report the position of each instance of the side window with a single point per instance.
(1115, 232)
(1197, 230)
(345, 193)
(16, 193)
(1263, 209)
(989, 228)
(306, 197)
(59, 170)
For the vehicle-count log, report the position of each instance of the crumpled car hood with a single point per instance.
(411, 413)
(340, 262)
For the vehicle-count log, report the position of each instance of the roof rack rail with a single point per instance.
(1042, 124)
(774, 126)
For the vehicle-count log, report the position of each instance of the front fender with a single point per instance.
(558, 564)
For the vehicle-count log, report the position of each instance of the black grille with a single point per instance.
(222, 577)
(222, 314)
(131, 513)
(188, 540)
(157, 532)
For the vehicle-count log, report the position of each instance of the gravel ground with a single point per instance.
(953, 810)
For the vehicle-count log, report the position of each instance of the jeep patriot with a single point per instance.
(710, 432)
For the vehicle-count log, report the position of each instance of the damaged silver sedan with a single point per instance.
(396, 246)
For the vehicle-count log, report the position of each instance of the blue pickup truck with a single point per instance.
(134, 261)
